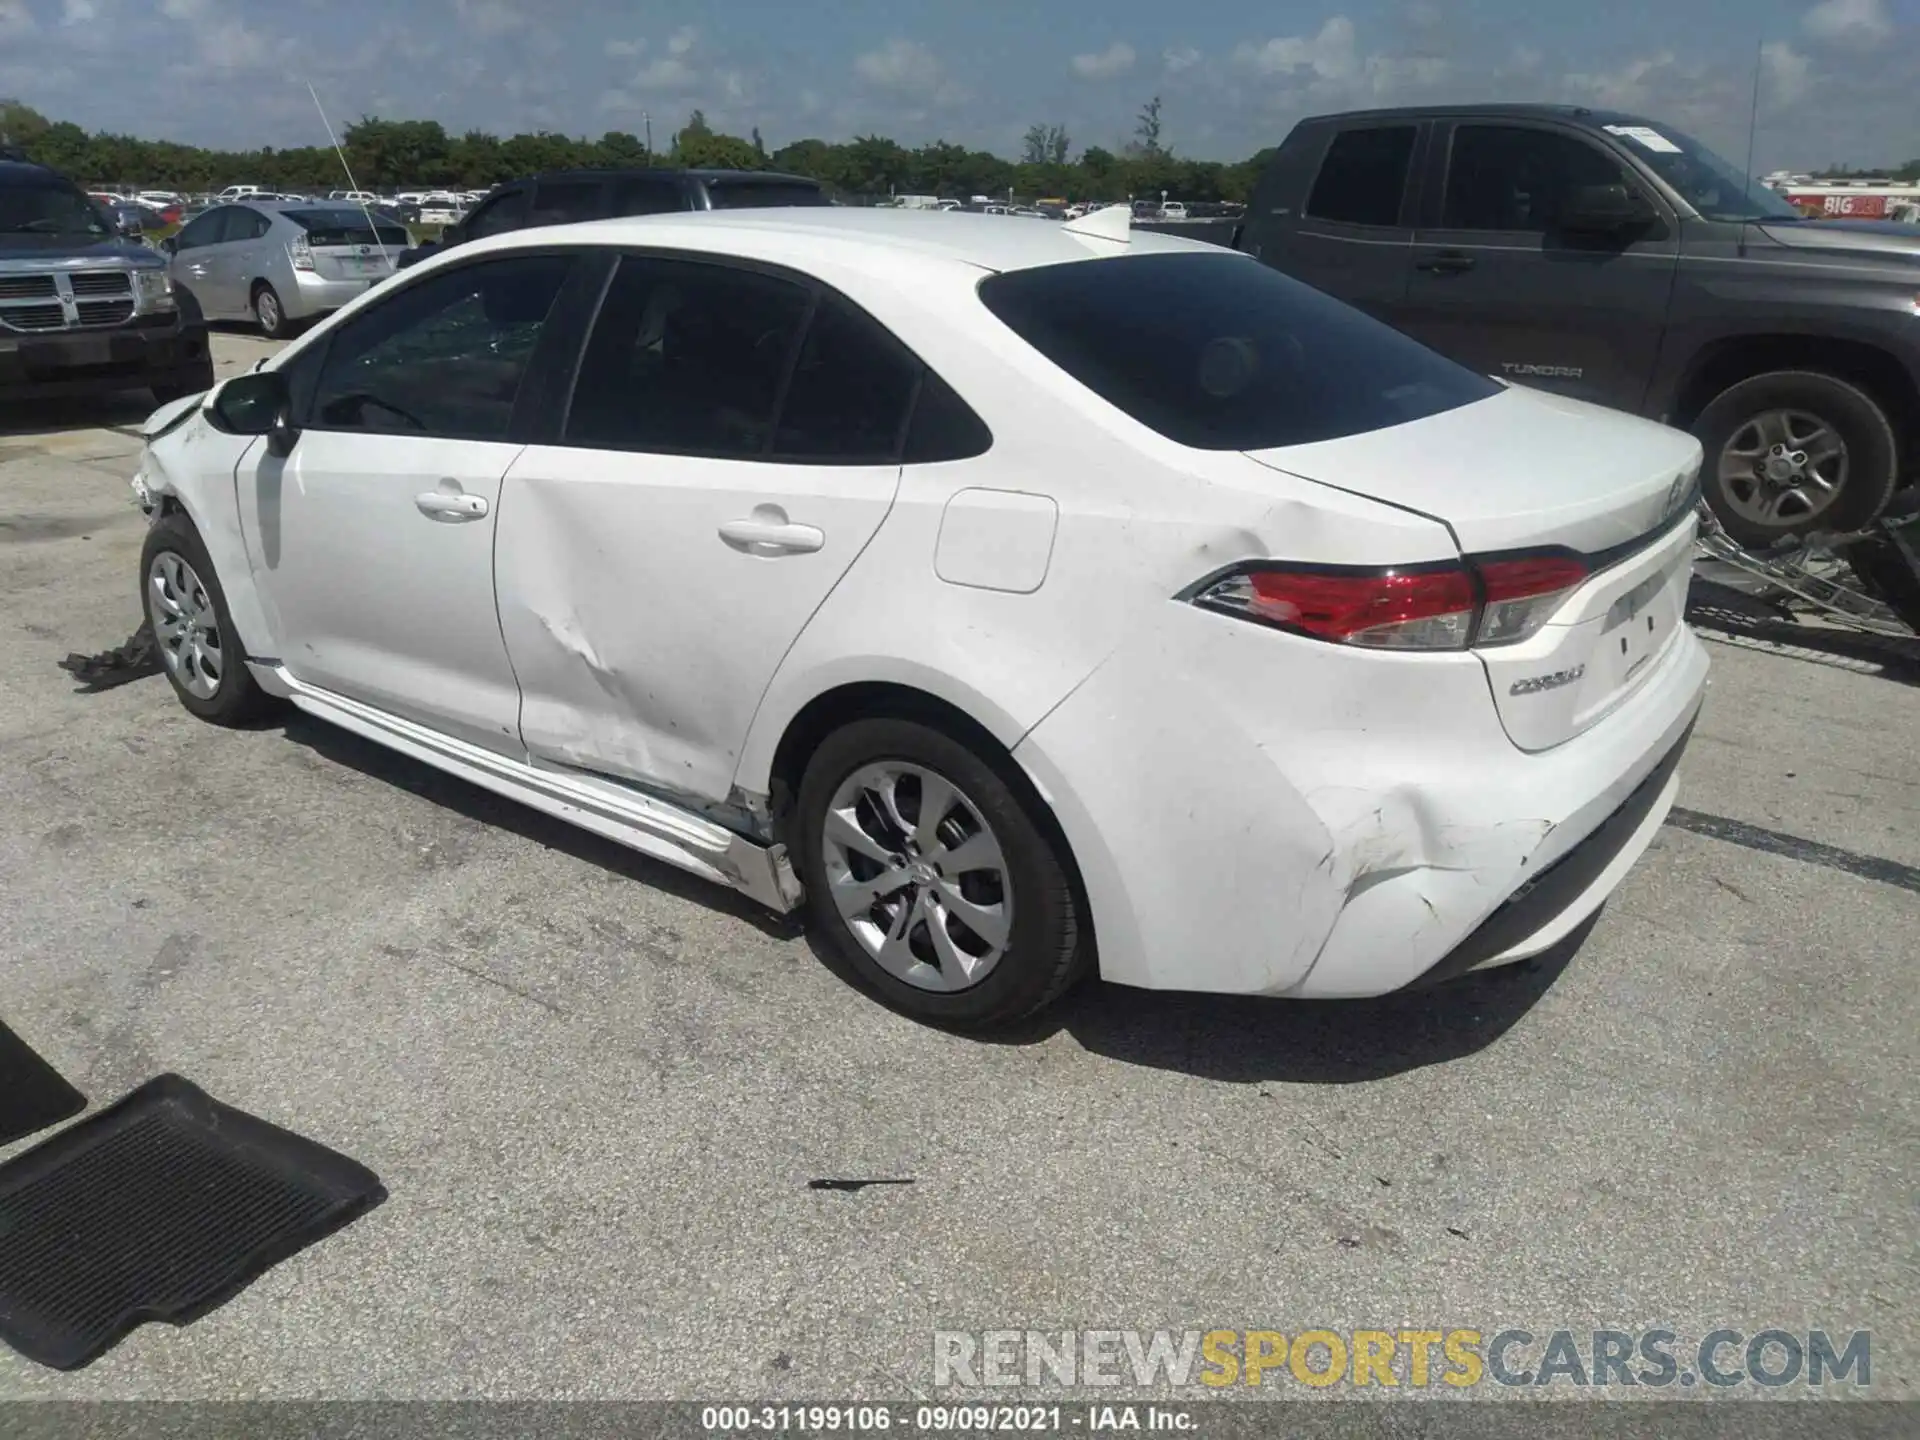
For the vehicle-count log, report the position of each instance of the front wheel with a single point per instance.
(270, 313)
(933, 878)
(193, 633)
(1792, 452)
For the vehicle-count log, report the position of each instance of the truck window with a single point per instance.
(1507, 177)
(1364, 176)
(1220, 352)
(499, 215)
(564, 202)
(648, 195)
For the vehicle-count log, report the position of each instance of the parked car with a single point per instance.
(238, 192)
(746, 540)
(565, 196)
(1613, 258)
(133, 219)
(82, 308)
(278, 264)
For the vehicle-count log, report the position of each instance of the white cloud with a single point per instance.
(1629, 86)
(1116, 59)
(1786, 71)
(488, 18)
(1849, 22)
(669, 72)
(624, 49)
(683, 40)
(1333, 54)
(15, 18)
(900, 65)
(183, 9)
(78, 12)
(1184, 57)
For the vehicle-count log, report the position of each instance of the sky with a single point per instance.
(1840, 79)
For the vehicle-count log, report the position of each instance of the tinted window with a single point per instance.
(748, 194)
(649, 196)
(1502, 177)
(444, 357)
(499, 215)
(244, 224)
(1221, 352)
(944, 426)
(851, 390)
(344, 227)
(686, 358)
(562, 202)
(201, 230)
(1364, 176)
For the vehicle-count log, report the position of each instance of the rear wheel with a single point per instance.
(1795, 451)
(932, 879)
(193, 633)
(269, 312)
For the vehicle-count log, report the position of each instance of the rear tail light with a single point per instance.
(1491, 601)
(300, 249)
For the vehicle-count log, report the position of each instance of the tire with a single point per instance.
(269, 313)
(171, 562)
(1045, 949)
(1759, 509)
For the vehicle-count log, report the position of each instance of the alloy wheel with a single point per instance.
(1782, 468)
(267, 307)
(185, 625)
(918, 876)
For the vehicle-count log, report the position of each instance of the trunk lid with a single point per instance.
(1526, 470)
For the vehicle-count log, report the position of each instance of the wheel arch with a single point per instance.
(1728, 361)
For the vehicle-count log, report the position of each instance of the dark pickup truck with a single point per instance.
(83, 307)
(1614, 259)
(566, 196)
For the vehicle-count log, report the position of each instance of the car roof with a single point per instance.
(667, 172)
(830, 233)
(1578, 114)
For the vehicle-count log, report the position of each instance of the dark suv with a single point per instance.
(566, 196)
(1615, 259)
(84, 308)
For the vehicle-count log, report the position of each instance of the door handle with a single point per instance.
(1447, 262)
(767, 535)
(442, 505)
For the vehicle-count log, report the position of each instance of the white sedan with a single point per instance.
(1021, 601)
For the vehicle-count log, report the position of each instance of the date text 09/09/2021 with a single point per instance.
(942, 1419)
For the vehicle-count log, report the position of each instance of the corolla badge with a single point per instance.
(1534, 684)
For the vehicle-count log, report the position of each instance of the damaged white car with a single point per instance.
(1021, 601)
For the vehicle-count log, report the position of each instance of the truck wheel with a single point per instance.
(194, 637)
(1795, 451)
(270, 313)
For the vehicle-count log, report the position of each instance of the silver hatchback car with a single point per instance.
(281, 262)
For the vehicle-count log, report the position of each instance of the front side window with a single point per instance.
(444, 357)
(1507, 177)
(563, 202)
(1220, 352)
(1364, 176)
(686, 358)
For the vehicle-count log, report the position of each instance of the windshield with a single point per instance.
(1220, 352)
(751, 196)
(344, 227)
(49, 209)
(1717, 188)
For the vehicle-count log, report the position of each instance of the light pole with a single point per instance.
(647, 120)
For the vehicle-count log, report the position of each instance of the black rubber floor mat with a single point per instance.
(160, 1207)
(33, 1095)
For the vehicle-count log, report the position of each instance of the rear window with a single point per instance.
(345, 227)
(750, 195)
(1220, 352)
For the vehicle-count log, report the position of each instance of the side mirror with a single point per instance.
(1605, 210)
(257, 403)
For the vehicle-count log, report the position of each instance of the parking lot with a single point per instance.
(597, 1090)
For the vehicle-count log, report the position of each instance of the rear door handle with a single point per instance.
(442, 505)
(1447, 262)
(766, 535)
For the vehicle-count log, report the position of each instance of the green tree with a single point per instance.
(704, 150)
(1146, 130)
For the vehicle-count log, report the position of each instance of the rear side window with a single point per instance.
(944, 427)
(687, 359)
(750, 195)
(344, 227)
(499, 215)
(648, 196)
(851, 390)
(1220, 352)
(563, 202)
(1364, 176)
